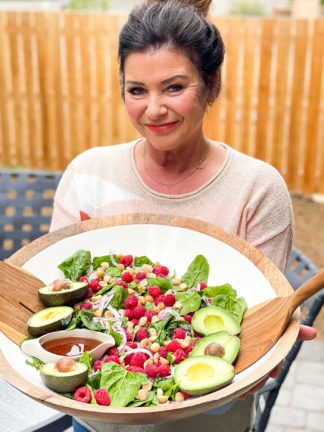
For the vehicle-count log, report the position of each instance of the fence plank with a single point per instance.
(313, 112)
(264, 89)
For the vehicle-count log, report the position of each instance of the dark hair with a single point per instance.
(169, 23)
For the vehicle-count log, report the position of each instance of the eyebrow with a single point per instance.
(166, 81)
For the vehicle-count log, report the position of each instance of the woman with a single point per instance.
(170, 59)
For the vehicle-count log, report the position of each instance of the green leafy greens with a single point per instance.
(76, 265)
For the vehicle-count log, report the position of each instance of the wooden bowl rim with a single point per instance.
(174, 411)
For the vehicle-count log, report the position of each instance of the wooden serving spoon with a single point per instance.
(18, 300)
(264, 323)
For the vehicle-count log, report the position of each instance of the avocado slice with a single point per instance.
(204, 374)
(212, 319)
(220, 344)
(64, 382)
(68, 293)
(49, 320)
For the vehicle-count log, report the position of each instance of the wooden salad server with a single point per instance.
(264, 323)
(18, 300)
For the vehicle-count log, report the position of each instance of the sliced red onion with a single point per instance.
(111, 254)
(143, 350)
(93, 374)
(92, 275)
(164, 314)
(106, 299)
(122, 333)
(114, 311)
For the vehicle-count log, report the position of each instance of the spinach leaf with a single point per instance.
(116, 336)
(86, 316)
(76, 265)
(165, 384)
(96, 262)
(140, 261)
(94, 381)
(120, 295)
(236, 306)
(87, 359)
(160, 327)
(105, 289)
(213, 291)
(190, 301)
(198, 271)
(121, 385)
(113, 272)
(161, 282)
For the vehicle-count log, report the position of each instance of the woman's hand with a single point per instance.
(305, 333)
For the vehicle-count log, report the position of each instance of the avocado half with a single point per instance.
(49, 320)
(204, 374)
(213, 319)
(74, 293)
(64, 382)
(220, 344)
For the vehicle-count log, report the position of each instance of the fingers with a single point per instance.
(306, 333)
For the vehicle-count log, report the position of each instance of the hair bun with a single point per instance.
(201, 6)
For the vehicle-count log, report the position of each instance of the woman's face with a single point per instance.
(165, 98)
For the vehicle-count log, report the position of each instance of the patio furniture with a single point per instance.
(300, 268)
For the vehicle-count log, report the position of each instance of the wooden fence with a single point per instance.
(60, 94)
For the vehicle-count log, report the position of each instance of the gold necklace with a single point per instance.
(198, 165)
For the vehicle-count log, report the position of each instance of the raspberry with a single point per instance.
(195, 341)
(128, 359)
(161, 269)
(129, 314)
(179, 355)
(102, 397)
(140, 276)
(141, 334)
(132, 345)
(123, 284)
(127, 277)
(173, 345)
(164, 370)
(139, 311)
(131, 302)
(94, 284)
(163, 351)
(188, 349)
(83, 279)
(154, 291)
(112, 351)
(82, 394)
(85, 306)
(135, 321)
(179, 333)
(126, 260)
(138, 359)
(186, 395)
(89, 294)
(97, 365)
(169, 300)
(112, 359)
(159, 299)
(129, 335)
(187, 318)
(150, 314)
(135, 369)
(151, 371)
(203, 285)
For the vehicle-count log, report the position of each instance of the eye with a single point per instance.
(135, 91)
(174, 88)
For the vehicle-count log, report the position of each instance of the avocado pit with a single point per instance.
(214, 349)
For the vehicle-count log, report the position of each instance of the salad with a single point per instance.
(169, 330)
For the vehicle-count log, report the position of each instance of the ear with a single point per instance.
(213, 87)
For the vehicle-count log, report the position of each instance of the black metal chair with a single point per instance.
(26, 202)
(300, 269)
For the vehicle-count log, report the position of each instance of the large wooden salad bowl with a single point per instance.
(18, 305)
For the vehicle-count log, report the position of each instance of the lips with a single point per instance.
(162, 127)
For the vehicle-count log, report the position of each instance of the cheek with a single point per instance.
(133, 107)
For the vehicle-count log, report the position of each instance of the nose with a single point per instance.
(155, 107)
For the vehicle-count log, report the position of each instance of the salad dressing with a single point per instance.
(70, 346)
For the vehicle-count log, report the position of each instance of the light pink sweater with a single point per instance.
(246, 197)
